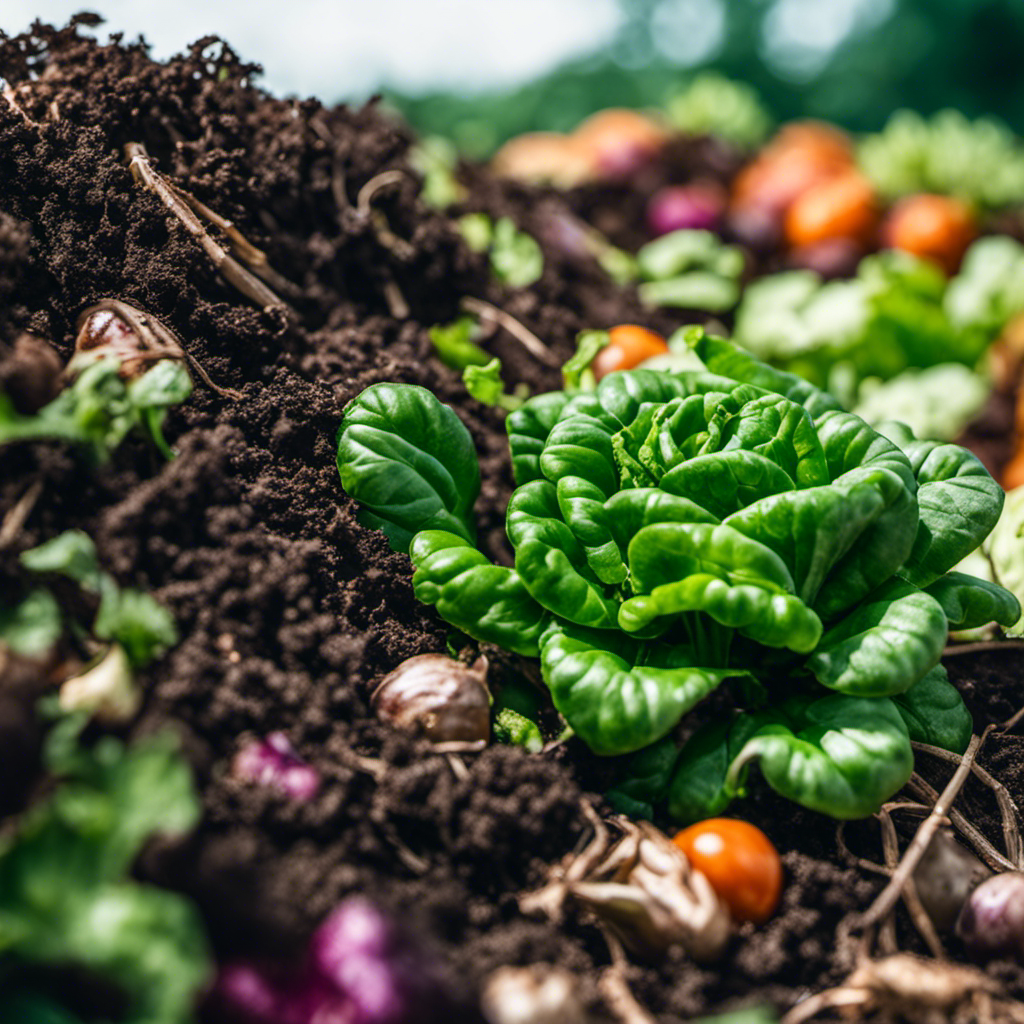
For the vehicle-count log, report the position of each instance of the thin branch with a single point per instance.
(613, 986)
(830, 999)
(18, 514)
(850, 857)
(1007, 808)
(984, 849)
(529, 340)
(248, 284)
(918, 915)
(887, 898)
(982, 647)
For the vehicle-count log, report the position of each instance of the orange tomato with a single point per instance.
(841, 207)
(827, 142)
(936, 228)
(628, 346)
(739, 861)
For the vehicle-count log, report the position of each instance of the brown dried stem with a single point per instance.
(364, 208)
(248, 284)
(529, 340)
(615, 989)
(19, 513)
(1007, 808)
(982, 847)
(159, 340)
(887, 898)
(983, 647)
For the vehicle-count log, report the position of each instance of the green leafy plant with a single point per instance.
(66, 894)
(691, 270)
(711, 104)
(516, 258)
(673, 531)
(99, 409)
(981, 160)
(131, 618)
(484, 383)
(892, 316)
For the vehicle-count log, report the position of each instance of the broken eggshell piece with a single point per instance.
(446, 701)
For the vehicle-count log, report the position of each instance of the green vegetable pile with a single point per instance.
(898, 313)
(981, 160)
(66, 893)
(675, 531)
(711, 104)
(690, 270)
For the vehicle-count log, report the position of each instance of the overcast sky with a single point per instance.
(346, 49)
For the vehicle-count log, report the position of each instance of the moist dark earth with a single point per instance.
(289, 611)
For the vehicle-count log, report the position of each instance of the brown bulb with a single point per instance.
(441, 698)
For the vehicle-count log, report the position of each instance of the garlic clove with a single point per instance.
(441, 698)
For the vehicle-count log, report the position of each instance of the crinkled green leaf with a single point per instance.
(611, 694)
(934, 712)
(839, 755)
(959, 504)
(725, 482)
(409, 461)
(884, 645)
(487, 602)
(528, 428)
(970, 602)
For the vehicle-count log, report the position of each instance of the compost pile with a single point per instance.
(289, 612)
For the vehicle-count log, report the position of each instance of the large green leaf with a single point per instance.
(614, 699)
(839, 755)
(970, 602)
(725, 482)
(959, 505)
(409, 461)
(934, 712)
(884, 645)
(528, 428)
(485, 601)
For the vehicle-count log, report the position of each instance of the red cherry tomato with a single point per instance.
(936, 228)
(628, 346)
(739, 861)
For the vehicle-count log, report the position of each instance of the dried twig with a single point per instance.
(12, 101)
(887, 898)
(983, 647)
(529, 340)
(18, 514)
(364, 208)
(984, 849)
(248, 284)
(159, 341)
(1007, 808)
(918, 915)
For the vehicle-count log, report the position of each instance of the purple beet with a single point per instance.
(273, 762)
(684, 207)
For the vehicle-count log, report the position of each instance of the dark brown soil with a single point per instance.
(289, 611)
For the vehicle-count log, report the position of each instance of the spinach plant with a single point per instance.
(675, 531)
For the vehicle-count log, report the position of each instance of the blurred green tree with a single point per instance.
(852, 61)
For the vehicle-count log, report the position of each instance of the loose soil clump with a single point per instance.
(289, 611)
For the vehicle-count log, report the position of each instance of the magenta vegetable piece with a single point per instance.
(831, 258)
(991, 923)
(354, 927)
(273, 761)
(252, 994)
(684, 207)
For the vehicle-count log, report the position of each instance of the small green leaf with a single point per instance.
(71, 554)
(484, 383)
(478, 231)
(409, 461)
(454, 345)
(137, 621)
(516, 258)
(33, 626)
(576, 375)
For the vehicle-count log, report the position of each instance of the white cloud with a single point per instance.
(341, 49)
